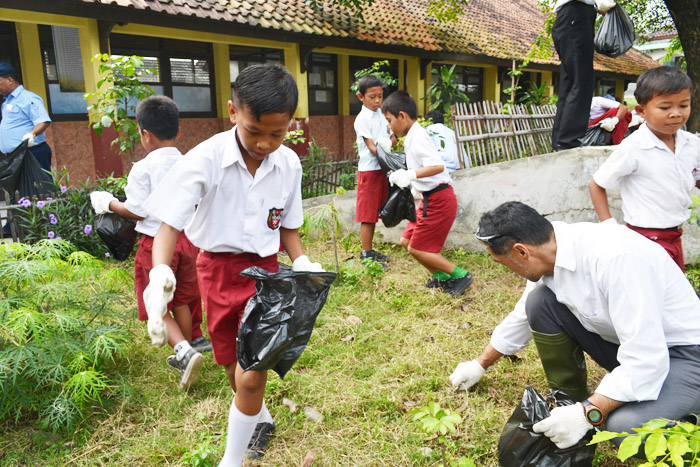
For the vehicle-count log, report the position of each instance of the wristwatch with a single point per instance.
(593, 414)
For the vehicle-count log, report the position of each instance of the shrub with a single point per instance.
(58, 331)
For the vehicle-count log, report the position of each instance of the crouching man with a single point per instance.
(606, 291)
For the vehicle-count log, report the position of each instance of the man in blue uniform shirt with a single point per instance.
(24, 116)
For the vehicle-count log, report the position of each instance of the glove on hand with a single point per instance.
(304, 264)
(160, 290)
(385, 143)
(608, 124)
(417, 195)
(100, 201)
(604, 5)
(636, 120)
(30, 138)
(402, 177)
(610, 221)
(466, 375)
(565, 426)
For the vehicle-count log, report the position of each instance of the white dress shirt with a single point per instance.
(446, 144)
(370, 125)
(421, 152)
(655, 184)
(143, 178)
(600, 105)
(626, 289)
(236, 212)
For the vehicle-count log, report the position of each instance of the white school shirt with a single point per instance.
(421, 152)
(143, 178)
(236, 212)
(446, 144)
(655, 183)
(371, 125)
(626, 289)
(600, 105)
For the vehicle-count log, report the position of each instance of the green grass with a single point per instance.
(408, 342)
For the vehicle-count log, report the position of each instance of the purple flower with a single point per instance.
(21, 200)
(26, 203)
(40, 204)
(106, 255)
(53, 219)
(48, 198)
(88, 229)
(63, 188)
(59, 238)
(51, 234)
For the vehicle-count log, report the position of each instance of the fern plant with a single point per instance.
(58, 331)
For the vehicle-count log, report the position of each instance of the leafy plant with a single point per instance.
(373, 268)
(666, 443)
(440, 422)
(535, 95)
(325, 220)
(295, 137)
(376, 70)
(118, 93)
(445, 91)
(205, 454)
(58, 331)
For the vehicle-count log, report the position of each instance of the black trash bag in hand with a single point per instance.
(279, 318)
(117, 233)
(399, 204)
(20, 171)
(519, 446)
(390, 161)
(615, 36)
(596, 136)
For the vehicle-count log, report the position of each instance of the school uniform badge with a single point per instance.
(274, 218)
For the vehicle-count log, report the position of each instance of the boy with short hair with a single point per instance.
(159, 127)
(370, 127)
(657, 166)
(427, 176)
(247, 188)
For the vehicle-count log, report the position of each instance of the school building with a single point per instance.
(199, 46)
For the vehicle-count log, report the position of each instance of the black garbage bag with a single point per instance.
(10, 165)
(519, 446)
(279, 318)
(615, 36)
(596, 136)
(399, 204)
(23, 173)
(117, 233)
(390, 161)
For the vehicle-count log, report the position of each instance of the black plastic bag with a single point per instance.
(399, 205)
(279, 318)
(20, 171)
(519, 446)
(117, 233)
(390, 161)
(10, 165)
(596, 136)
(615, 36)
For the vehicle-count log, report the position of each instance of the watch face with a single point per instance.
(594, 416)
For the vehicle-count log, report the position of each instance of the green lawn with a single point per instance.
(408, 342)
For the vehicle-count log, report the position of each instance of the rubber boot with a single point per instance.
(563, 362)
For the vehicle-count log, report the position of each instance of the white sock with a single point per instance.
(181, 349)
(240, 430)
(265, 416)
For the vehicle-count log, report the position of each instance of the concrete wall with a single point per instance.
(554, 184)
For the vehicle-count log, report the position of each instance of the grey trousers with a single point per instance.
(680, 394)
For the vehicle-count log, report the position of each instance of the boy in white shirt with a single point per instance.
(444, 139)
(159, 127)
(247, 189)
(426, 175)
(657, 166)
(612, 116)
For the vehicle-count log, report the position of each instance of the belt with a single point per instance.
(426, 195)
(678, 227)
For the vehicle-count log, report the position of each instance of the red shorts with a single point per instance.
(620, 130)
(226, 293)
(429, 233)
(372, 189)
(184, 268)
(670, 239)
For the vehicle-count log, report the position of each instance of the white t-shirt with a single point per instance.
(421, 152)
(371, 125)
(446, 144)
(145, 175)
(655, 184)
(626, 289)
(236, 213)
(600, 105)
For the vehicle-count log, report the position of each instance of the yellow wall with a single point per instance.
(344, 84)
(30, 58)
(222, 78)
(492, 88)
(414, 85)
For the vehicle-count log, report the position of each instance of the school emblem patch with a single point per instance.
(274, 218)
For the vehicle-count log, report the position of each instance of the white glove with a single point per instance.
(466, 375)
(636, 120)
(160, 290)
(417, 195)
(610, 221)
(604, 5)
(385, 143)
(565, 426)
(402, 177)
(608, 124)
(100, 201)
(30, 138)
(304, 264)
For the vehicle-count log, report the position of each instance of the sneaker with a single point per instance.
(258, 442)
(189, 367)
(375, 255)
(456, 287)
(432, 283)
(201, 344)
